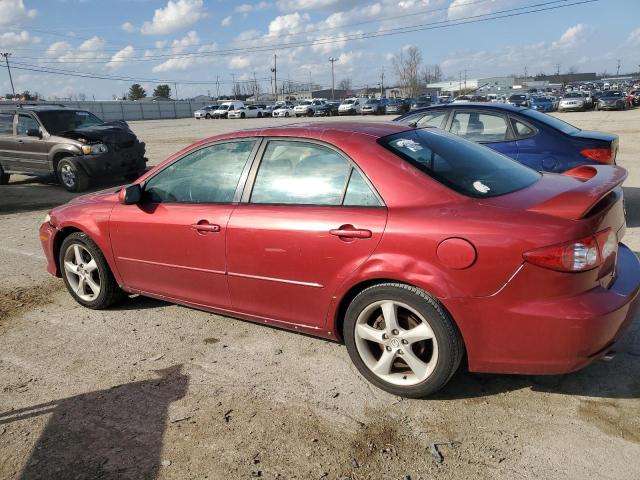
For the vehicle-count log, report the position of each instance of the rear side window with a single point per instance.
(466, 167)
(521, 129)
(6, 123)
(479, 127)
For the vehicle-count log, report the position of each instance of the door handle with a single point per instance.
(203, 226)
(349, 231)
(20, 141)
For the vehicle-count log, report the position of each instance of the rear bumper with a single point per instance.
(552, 335)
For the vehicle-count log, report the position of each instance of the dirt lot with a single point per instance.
(151, 390)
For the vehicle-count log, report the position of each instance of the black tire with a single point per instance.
(286, 114)
(4, 177)
(242, 115)
(207, 116)
(110, 291)
(309, 113)
(449, 340)
(72, 178)
(259, 114)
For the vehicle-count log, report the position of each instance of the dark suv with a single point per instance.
(74, 145)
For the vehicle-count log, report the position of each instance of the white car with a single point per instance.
(248, 111)
(205, 112)
(284, 111)
(307, 107)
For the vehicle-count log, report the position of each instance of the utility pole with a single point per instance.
(175, 89)
(275, 75)
(465, 79)
(217, 87)
(526, 72)
(333, 79)
(382, 83)
(557, 69)
(6, 56)
(618, 69)
(233, 79)
(459, 83)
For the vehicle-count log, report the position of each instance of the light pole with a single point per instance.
(6, 58)
(333, 81)
(275, 75)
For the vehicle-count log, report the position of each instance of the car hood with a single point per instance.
(109, 132)
(108, 194)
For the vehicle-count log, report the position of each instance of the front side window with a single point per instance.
(301, 173)
(6, 123)
(208, 175)
(479, 127)
(465, 167)
(26, 123)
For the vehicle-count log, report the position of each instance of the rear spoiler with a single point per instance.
(597, 182)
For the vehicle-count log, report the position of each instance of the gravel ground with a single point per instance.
(150, 390)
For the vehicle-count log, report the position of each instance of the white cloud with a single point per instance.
(91, 49)
(296, 5)
(184, 62)
(16, 39)
(464, 8)
(226, 21)
(118, 59)
(128, 27)
(248, 7)
(288, 24)
(634, 38)
(571, 37)
(176, 15)
(238, 62)
(12, 11)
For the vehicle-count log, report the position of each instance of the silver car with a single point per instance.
(204, 112)
(572, 101)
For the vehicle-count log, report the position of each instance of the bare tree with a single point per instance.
(406, 64)
(431, 74)
(573, 69)
(344, 84)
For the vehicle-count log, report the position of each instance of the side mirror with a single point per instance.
(34, 132)
(130, 195)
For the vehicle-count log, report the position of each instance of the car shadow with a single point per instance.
(40, 193)
(138, 302)
(632, 206)
(113, 433)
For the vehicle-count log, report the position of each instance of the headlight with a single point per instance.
(94, 149)
(47, 218)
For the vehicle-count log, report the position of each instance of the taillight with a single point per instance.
(576, 256)
(600, 155)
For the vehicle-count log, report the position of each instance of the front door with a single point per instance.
(33, 151)
(173, 243)
(311, 219)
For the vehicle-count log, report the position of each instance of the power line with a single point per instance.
(501, 14)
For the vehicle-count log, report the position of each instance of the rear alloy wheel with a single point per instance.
(4, 177)
(73, 179)
(207, 116)
(401, 339)
(86, 273)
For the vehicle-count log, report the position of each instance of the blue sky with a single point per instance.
(190, 40)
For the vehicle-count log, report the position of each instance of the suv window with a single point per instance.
(300, 173)
(6, 123)
(479, 127)
(26, 123)
(466, 167)
(208, 175)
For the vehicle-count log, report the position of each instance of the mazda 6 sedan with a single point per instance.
(414, 247)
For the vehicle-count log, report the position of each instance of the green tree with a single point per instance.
(136, 92)
(163, 91)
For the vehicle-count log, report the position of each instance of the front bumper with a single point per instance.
(504, 334)
(47, 237)
(571, 107)
(351, 111)
(114, 162)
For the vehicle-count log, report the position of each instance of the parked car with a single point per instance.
(519, 100)
(205, 112)
(73, 145)
(635, 97)
(542, 104)
(329, 109)
(572, 101)
(612, 100)
(476, 258)
(462, 99)
(535, 139)
(283, 110)
(397, 106)
(223, 109)
(247, 111)
(307, 108)
(420, 102)
(351, 106)
(374, 106)
(267, 110)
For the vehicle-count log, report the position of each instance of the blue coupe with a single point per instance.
(542, 104)
(533, 138)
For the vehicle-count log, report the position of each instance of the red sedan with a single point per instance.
(412, 246)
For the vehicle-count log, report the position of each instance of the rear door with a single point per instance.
(489, 128)
(309, 220)
(33, 152)
(173, 243)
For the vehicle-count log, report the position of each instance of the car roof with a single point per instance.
(34, 108)
(503, 107)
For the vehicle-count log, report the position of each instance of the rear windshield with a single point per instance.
(553, 122)
(60, 121)
(463, 166)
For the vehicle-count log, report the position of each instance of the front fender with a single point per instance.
(60, 151)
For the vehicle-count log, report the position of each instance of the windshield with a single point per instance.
(348, 102)
(553, 122)
(573, 95)
(60, 121)
(466, 167)
(542, 100)
(304, 103)
(612, 93)
(224, 107)
(518, 97)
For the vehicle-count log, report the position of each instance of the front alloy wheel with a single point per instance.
(81, 271)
